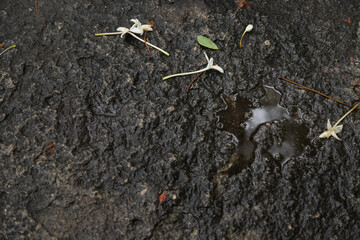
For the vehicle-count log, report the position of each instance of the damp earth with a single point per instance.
(95, 145)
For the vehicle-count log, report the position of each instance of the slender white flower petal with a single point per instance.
(206, 56)
(325, 134)
(147, 28)
(137, 28)
(218, 68)
(122, 30)
(338, 129)
(335, 136)
(328, 124)
(136, 22)
(137, 31)
(210, 63)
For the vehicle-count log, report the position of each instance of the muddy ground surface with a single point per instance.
(91, 137)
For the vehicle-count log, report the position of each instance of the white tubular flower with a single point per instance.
(138, 28)
(122, 30)
(333, 130)
(146, 27)
(249, 28)
(209, 66)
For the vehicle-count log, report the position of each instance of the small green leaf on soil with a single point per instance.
(206, 42)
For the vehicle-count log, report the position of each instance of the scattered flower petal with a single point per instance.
(333, 130)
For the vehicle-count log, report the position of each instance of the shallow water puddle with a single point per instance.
(287, 136)
(269, 111)
(292, 142)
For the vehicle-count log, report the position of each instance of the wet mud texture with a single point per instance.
(122, 136)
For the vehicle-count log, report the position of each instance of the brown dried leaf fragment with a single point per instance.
(243, 3)
(152, 24)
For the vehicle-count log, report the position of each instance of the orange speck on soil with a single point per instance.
(162, 197)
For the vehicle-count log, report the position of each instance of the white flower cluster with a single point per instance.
(137, 28)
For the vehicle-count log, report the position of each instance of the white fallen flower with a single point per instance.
(137, 28)
(333, 130)
(249, 28)
(121, 30)
(209, 66)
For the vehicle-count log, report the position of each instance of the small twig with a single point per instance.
(147, 44)
(297, 84)
(13, 46)
(51, 148)
(37, 12)
(188, 88)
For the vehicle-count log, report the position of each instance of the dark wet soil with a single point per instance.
(94, 145)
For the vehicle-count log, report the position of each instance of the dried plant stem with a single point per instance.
(242, 38)
(108, 34)
(297, 84)
(51, 149)
(37, 12)
(147, 44)
(184, 74)
(13, 46)
(345, 115)
(188, 88)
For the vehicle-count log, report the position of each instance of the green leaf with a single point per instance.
(206, 42)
